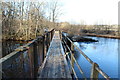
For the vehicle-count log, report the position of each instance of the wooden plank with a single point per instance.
(55, 64)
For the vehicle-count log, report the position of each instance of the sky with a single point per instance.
(90, 11)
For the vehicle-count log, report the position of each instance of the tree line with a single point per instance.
(27, 20)
(90, 29)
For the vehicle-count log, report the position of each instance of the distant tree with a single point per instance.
(25, 20)
(22, 19)
(54, 10)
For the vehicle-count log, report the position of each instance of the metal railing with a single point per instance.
(69, 50)
(24, 61)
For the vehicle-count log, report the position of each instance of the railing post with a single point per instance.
(48, 39)
(35, 52)
(43, 48)
(51, 34)
(40, 50)
(60, 34)
(30, 51)
(47, 42)
(72, 54)
(64, 46)
(94, 72)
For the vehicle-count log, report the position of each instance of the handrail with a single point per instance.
(80, 69)
(94, 68)
(33, 49)
(17, 50)
(72, 68)
(23, 48)
(102, 73)
(89, 60)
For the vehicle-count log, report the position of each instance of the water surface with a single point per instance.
(104, 53)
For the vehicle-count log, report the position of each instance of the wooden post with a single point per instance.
(52, 32)
(64, 46)
(48, 39)
(39, 48)
(94, 72)
(35, 58)
(43, 48)
(30, 51)
(45, 45)
(60, 34)
(47, 42)
(22, 62)
(72, 60)
(51, 35)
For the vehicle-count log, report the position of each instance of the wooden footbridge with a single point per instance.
(57, 60)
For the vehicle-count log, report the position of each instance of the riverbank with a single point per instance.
(100, 35)
(79, 38)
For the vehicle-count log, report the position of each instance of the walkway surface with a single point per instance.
(55, 64)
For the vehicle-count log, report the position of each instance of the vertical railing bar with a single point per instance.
(43, 48)
(94, 72)
(46, 42)
(87, 58)
(72, 68)
(49, 38)
(81, 52)
(35, 58)
(31, 66)
(72, 61)
(76, 62)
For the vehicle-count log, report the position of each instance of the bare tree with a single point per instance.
(21, 21)
(25, 20)
(54, 10)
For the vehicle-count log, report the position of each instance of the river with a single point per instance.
(104, 53)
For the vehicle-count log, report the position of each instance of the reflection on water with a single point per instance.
(104, 52)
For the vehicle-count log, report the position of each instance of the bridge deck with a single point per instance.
(55, 64)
